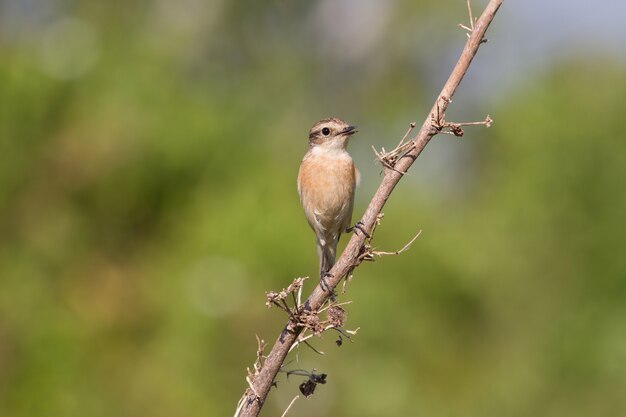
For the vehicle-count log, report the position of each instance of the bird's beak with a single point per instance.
(350, 130)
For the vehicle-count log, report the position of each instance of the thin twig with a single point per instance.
(259, 354)
(290, 404)
(335, 304)
(411, 127)
(301, 339)
(471, 18)
(487, 122)
(319, 352)
(398, 252)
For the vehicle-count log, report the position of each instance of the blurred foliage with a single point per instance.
(147, 201)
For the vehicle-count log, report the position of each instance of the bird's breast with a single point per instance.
(326, 184)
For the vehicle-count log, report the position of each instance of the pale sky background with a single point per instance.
(534, 34)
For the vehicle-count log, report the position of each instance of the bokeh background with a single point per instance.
(148, 156)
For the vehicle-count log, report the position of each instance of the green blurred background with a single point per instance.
(148, 156)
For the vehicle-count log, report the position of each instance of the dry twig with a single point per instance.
(290, 404)
(369, 254)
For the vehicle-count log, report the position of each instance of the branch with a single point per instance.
(254, 397)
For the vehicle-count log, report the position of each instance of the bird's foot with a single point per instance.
(325, 286)
(359, 226)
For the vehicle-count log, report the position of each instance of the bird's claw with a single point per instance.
(359, 226)
(325, 286)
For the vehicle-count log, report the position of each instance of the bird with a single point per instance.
(327, 180)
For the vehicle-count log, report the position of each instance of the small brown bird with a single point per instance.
(326, 184)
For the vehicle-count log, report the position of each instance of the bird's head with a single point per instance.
(331, 133)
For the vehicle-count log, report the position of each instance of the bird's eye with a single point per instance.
(326, 131)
